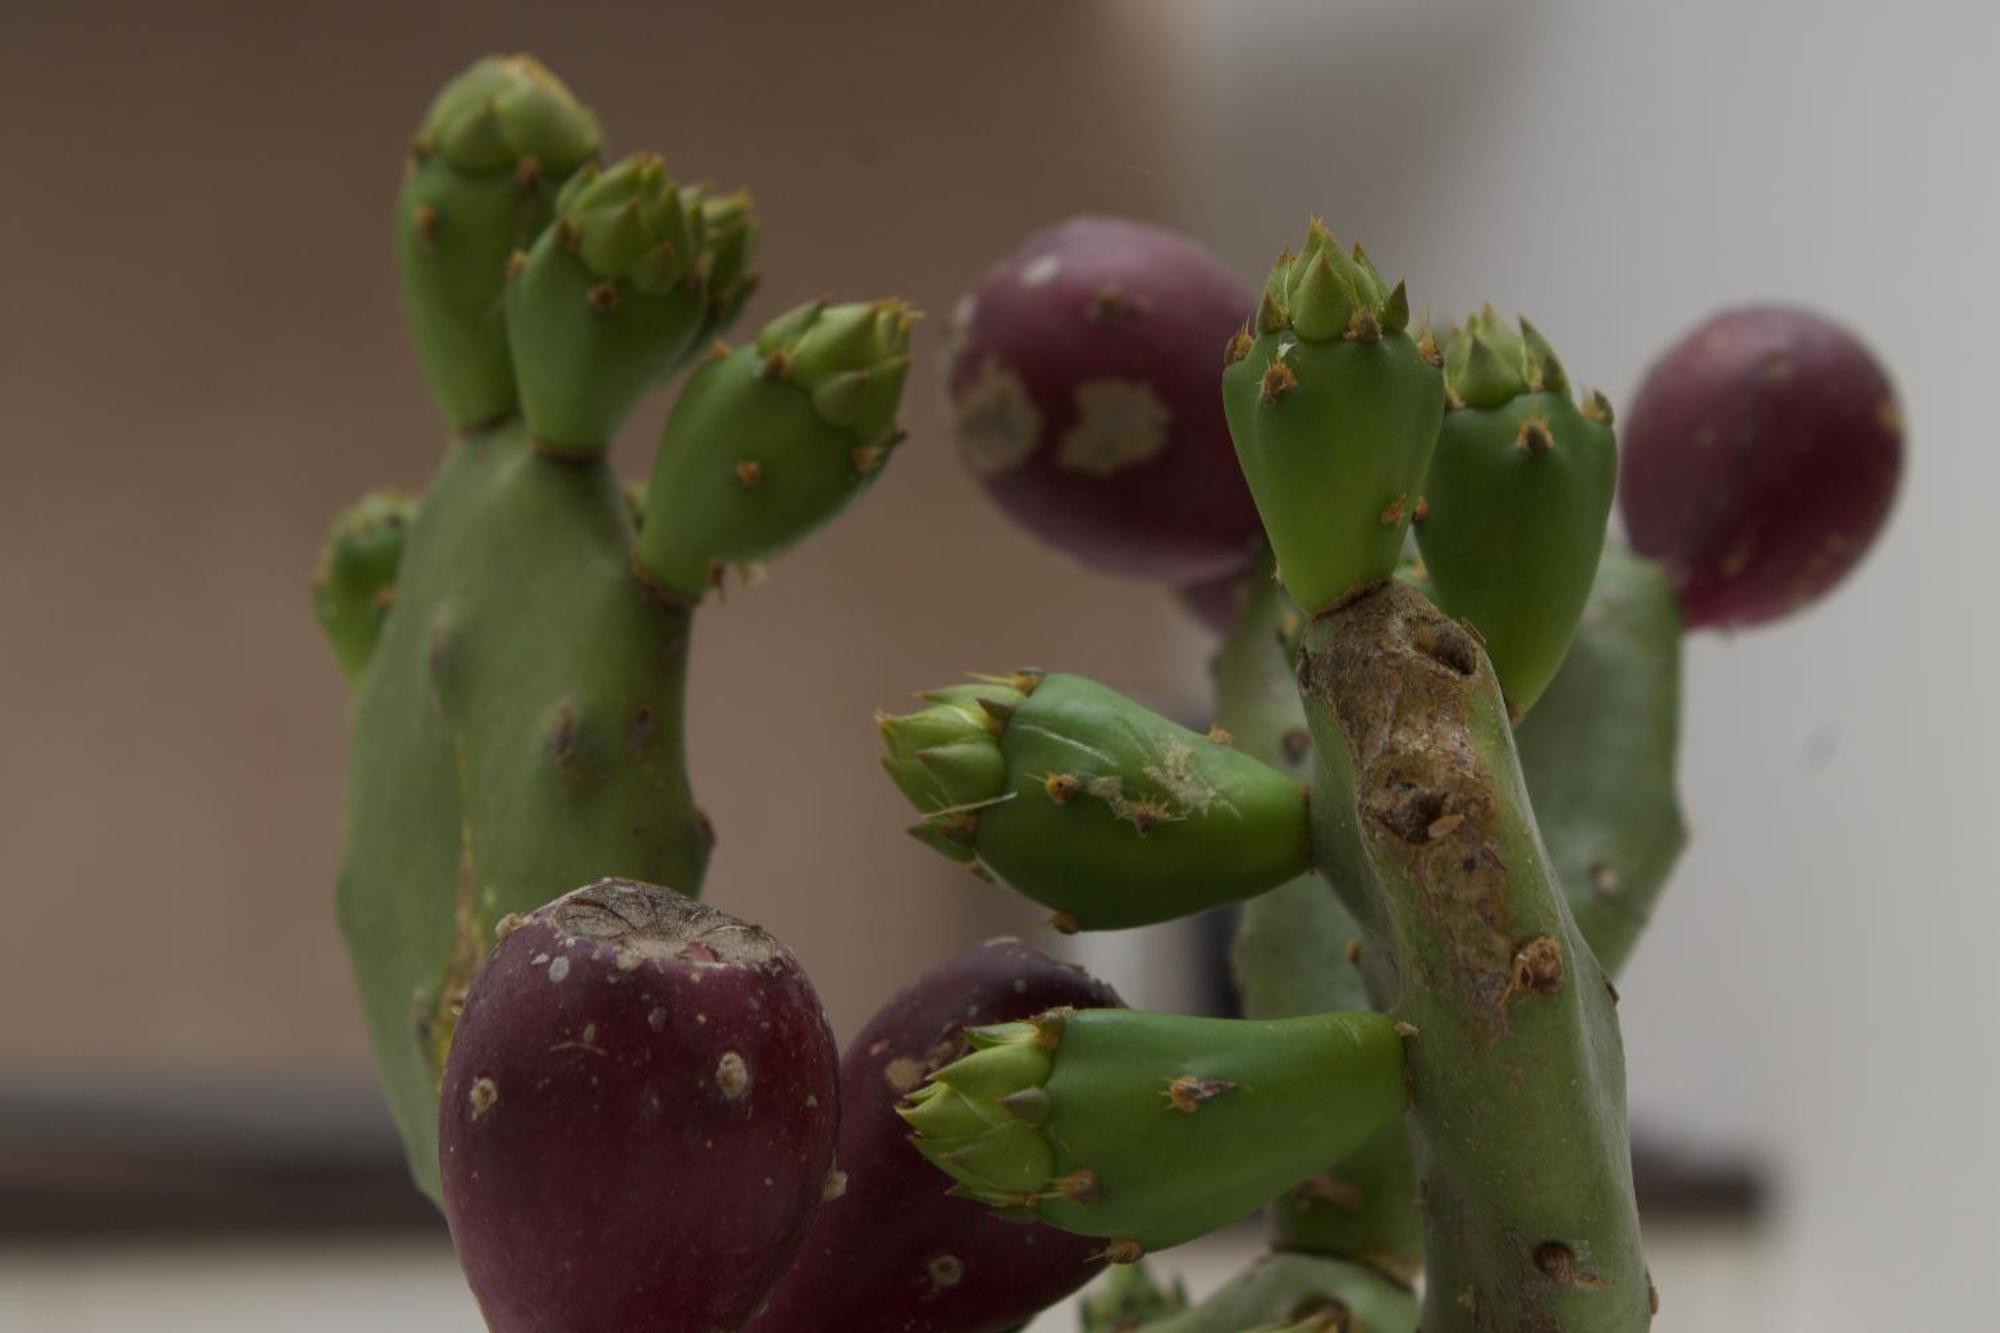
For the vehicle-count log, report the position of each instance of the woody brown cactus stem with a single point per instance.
(1421, 821)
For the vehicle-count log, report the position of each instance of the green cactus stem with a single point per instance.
(1516, 501)
(355, 583)
(1334, 408)
(1598, 754)
(606, 303)
(1282, 1287)
(1421, 821)
(1154, 1129)
(483, 174)
(1296, 952)
(1092, 805)
(768, 442)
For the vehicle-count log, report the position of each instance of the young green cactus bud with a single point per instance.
(355, 584)
(1129, 1298)
(771, 440)
(1153, 1129)
(1334, 409)
(729, 224)
(1090, 804)
(484, 169)
(1288, 1286)
(608, 300)
(1517, 500)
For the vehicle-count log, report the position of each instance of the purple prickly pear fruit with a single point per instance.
(1762, 455)
(1082, 380)
(638, 1118)
(895, 1253)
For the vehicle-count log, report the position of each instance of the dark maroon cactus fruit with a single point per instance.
(895, 1253)
(1083, 383)
(1762, 455)
(638, 1118)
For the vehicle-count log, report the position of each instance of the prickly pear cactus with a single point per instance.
(517, 654)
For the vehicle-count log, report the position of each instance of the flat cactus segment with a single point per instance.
(1599, 756)
(1420, 820)
(355, 584)
(606, 303)
(1517, 499)
(482, 180)
(1153, 1129)
(1334, 410)
(770, 441)
(1106, 812)
(519, 725)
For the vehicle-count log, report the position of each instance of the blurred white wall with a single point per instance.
(1819, 983)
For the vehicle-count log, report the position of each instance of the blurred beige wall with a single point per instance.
(201, 359)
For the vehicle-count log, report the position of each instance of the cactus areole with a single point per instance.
(1762, 455)
(1082, 386)
(638, 1117)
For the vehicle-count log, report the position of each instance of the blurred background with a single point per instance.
(201, 360)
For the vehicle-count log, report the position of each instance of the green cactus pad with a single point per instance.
(356, 580)
(484, 170)
(1334, 408)
(518, 725)
(771, 440)
(1598, 753)
(1098, 808)
(608, 301)
(1153, 1129)
(1517, 499)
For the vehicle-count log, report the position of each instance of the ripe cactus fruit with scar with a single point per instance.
(1088, 803)
(1152, 1129)
(1081, 383)
(1762, 456)
(1514, 507)
(516, 655)
(639, 1116)
(1334, 408)
(891, 1251)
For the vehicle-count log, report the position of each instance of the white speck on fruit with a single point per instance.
(946, 1270)
(1119, 423)
(484, 1093)
(903, 1073)
(657, 1020)
(1037, 272)
(732, 1075)
(558, 969)
(835, 1186)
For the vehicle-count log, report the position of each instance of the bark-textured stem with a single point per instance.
(1421, 822)
(1291, 957)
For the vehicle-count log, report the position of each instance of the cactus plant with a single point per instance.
(516, 653)
(1442, 783)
